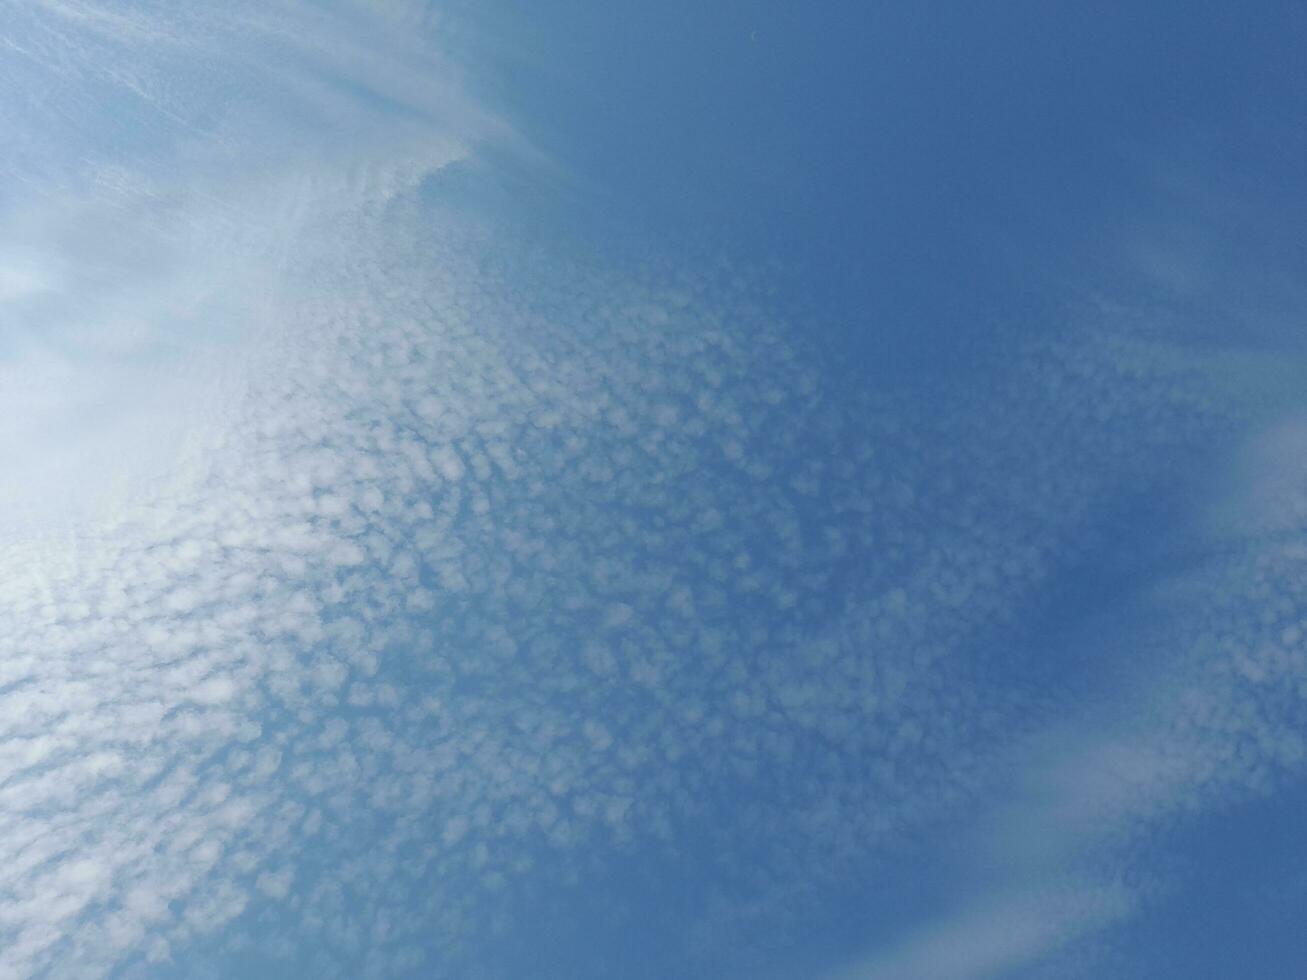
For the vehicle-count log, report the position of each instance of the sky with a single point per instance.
(595, 490)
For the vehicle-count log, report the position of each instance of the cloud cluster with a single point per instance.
(506, 563)
(1198, 708)
(481, 564)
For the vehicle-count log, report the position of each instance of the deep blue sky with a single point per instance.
(911, 165)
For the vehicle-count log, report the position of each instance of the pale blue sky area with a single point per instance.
(581, 490)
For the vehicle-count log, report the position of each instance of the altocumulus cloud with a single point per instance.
(367, 573)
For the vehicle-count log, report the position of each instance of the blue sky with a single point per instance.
(577, 490)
